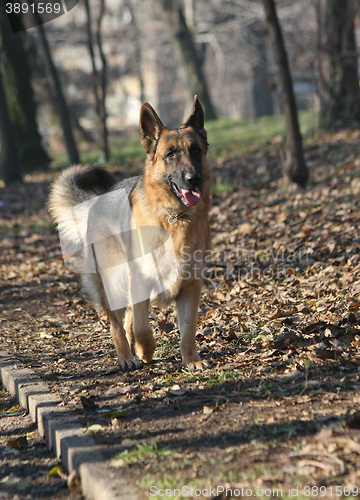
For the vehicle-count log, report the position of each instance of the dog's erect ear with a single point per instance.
(196, 119)
(151, 127)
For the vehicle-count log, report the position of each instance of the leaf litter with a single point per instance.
(279, 324)
(27, 468)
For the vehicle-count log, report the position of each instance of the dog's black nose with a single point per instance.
(192, 177)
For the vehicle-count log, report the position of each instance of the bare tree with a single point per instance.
(9, 159)
(293, 160)
(21, 105)
(185, 48)
(60, 101)
(137, 46)
(338, 73)
(99, 76)
(262, 95)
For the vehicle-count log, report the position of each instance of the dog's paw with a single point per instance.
(193, 366)
(130, 364)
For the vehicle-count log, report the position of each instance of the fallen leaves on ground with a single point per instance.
(279, 323)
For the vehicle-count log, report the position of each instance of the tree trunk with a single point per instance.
(338, 73)
(293, 160)
(9, 159)
(262, 95)
(99, 77)
(20, 98)
(185, 49)
(60, 101)
(138, 50)
(103, 82)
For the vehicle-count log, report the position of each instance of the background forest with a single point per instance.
(80, 80)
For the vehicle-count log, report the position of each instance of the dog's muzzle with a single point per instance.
(189, 197)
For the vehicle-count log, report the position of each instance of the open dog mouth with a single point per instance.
(189, 197)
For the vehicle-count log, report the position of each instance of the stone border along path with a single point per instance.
(64, 434)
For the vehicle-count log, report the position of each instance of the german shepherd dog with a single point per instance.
(171, 198)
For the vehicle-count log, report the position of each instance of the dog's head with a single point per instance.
(178, 154)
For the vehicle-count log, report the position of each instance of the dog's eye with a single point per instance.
(170, 154)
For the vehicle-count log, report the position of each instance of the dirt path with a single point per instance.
(278, 412)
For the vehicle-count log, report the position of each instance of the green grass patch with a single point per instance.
(222, 187)
(6, 229)
(144, 452)
(228, 137)
(166, 348)
(224, 376)
(126, 152)
(208, 377)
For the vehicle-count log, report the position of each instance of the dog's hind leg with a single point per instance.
(126, 358)
(142, 334)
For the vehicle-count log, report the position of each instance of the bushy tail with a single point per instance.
(77, 184)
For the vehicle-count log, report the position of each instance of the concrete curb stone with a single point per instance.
(64, 434)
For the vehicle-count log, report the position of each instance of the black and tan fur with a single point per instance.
(173, 193)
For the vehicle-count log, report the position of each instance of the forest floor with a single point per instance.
(278, 412)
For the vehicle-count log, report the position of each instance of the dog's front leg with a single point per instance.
(187, 305)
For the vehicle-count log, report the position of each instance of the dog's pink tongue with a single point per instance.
(192, 196)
